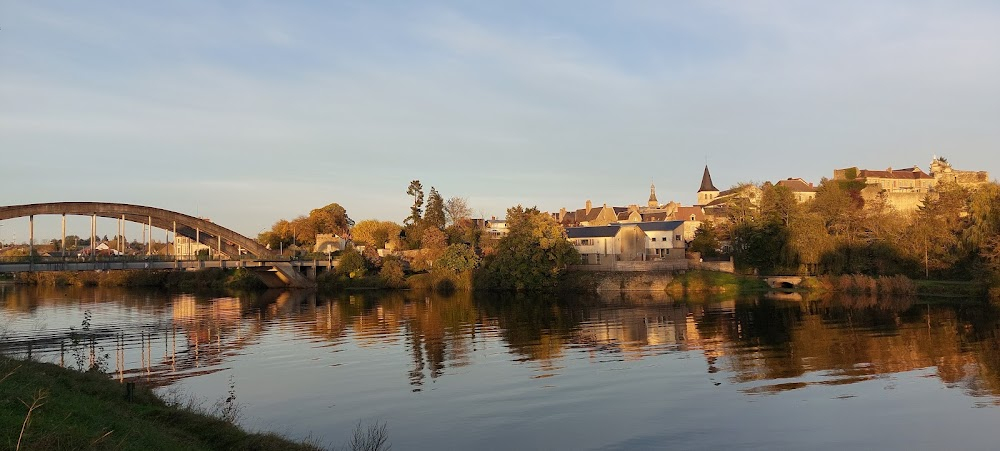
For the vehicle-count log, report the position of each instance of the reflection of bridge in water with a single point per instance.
(274, 271)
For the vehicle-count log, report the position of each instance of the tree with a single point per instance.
(706, 240)
(458, 258)
(330, 219)
(778, 204)
(417, 191)
(457, 209)
(352, 264)
(435, 216)
(303, 229)
(464, 232)
(375, 233)
(533, 256)
(432, 245)
(763, 246)
(392, 272)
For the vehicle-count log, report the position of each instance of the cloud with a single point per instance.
(534, 104)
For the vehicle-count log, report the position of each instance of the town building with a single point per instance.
(185, 247)
(801, 190)
(942, 172)
(906, 189)
(496, 228)
(328, 243)
(629, 242)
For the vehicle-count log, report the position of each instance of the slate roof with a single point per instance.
(797, 185)
(660, 226)
(706, 182)
(914, 173)
(592, 232)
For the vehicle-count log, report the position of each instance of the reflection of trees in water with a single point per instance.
(833, 339)
(845, 340)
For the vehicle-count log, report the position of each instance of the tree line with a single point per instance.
(954, 234)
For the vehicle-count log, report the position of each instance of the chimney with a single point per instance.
(588, 206)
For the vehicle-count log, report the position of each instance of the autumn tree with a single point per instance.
(375, 233)
(303, 229)
(456, 210)
(433, 244)
(778, 204)
(533, 256)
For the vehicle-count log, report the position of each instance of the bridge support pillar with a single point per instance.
(31, 243)
(311, 271)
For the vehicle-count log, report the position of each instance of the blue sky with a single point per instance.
(247, 112)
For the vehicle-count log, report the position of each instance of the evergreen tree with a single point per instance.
(434, 216)
(417, 191)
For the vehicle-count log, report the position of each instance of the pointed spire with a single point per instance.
(652, 192)
(706, 182)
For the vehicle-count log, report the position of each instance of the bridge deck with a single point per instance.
(111, 265)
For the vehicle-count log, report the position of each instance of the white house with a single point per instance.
(629, 242)
(496, 228)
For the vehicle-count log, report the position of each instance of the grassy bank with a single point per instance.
(210, 278)
(74, 410)
(859, 284)
(714, 282)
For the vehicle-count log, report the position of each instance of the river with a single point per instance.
(491, 372)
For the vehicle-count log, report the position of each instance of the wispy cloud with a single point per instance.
(533, 103)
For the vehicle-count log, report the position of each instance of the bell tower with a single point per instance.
(653, 203)
(707, 192)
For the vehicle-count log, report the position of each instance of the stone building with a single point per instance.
(909, 180)
(906, 189)
(801, 190)
(942, 172)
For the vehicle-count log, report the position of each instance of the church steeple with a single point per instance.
(653, 203)
(707, 192)
(706, 182)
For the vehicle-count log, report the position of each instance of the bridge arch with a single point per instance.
(208, 233)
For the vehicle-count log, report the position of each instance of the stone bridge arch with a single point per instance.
(207, 233)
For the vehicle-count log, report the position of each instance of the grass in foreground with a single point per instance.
(73, 410)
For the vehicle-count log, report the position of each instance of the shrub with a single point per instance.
(392, 273)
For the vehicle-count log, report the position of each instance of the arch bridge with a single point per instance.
(197, 229)
(225, 241)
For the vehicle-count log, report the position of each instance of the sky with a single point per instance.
(247, 112)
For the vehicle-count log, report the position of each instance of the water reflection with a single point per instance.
(764, 345)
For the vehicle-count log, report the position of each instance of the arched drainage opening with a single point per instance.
(787, 285)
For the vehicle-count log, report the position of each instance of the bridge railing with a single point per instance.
(130, 258)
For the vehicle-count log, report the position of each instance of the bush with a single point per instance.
(352, 264)
(392, 273)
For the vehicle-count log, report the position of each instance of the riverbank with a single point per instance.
(204, 279)
(46, 407)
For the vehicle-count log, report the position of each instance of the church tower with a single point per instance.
(653, 203)
(707, 192)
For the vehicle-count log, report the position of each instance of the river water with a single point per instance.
(511, 372)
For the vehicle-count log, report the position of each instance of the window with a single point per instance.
(677, 237)
(654, 239)
(692, 217)
(585, 242)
